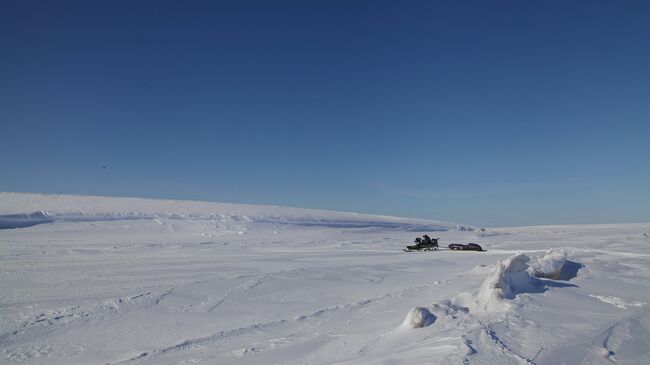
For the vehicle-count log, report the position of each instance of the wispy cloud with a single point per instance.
(484, 189)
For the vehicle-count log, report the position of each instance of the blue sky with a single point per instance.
(487, 113)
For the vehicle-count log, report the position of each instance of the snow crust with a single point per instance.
(97, 280)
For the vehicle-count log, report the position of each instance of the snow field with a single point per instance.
(136, 281)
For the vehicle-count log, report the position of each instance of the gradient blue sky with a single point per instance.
(486, 113)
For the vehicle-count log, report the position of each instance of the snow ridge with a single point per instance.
(72, 208)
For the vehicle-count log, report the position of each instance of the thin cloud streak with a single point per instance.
(485, 190)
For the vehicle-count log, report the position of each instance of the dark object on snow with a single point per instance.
(426, 244)
(467, 247)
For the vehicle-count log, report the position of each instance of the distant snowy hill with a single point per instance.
(22, 209)
(98, 280)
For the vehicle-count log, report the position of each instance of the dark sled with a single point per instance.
(467, 247)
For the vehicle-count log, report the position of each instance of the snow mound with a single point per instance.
(508, 278)
(418, 317)
(550, 265)
(504, 280)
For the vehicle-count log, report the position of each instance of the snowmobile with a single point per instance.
(467, 247)
(426, 244)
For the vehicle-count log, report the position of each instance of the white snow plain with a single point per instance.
(97, 280)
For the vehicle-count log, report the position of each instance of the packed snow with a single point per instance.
(551, 265)
(98, 280)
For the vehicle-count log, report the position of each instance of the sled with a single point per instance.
(465, 247)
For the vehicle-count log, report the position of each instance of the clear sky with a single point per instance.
(486, 113)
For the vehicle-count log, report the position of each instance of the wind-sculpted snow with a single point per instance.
(508, 278)
(494, 327)
(137, 281)
(418, 317)
(550, 265)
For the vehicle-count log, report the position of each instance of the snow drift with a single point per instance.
(518, 274)
(550, 265)
(418, 317)
(508, 278)
(504, 281)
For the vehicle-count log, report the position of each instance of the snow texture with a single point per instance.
(418, 317)
(98, 280)
(550, 265)
(507, 279)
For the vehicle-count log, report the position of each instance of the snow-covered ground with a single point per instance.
(96, 280)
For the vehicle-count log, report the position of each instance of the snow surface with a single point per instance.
(97, 280)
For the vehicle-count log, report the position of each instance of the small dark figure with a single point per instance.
(426, 240)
